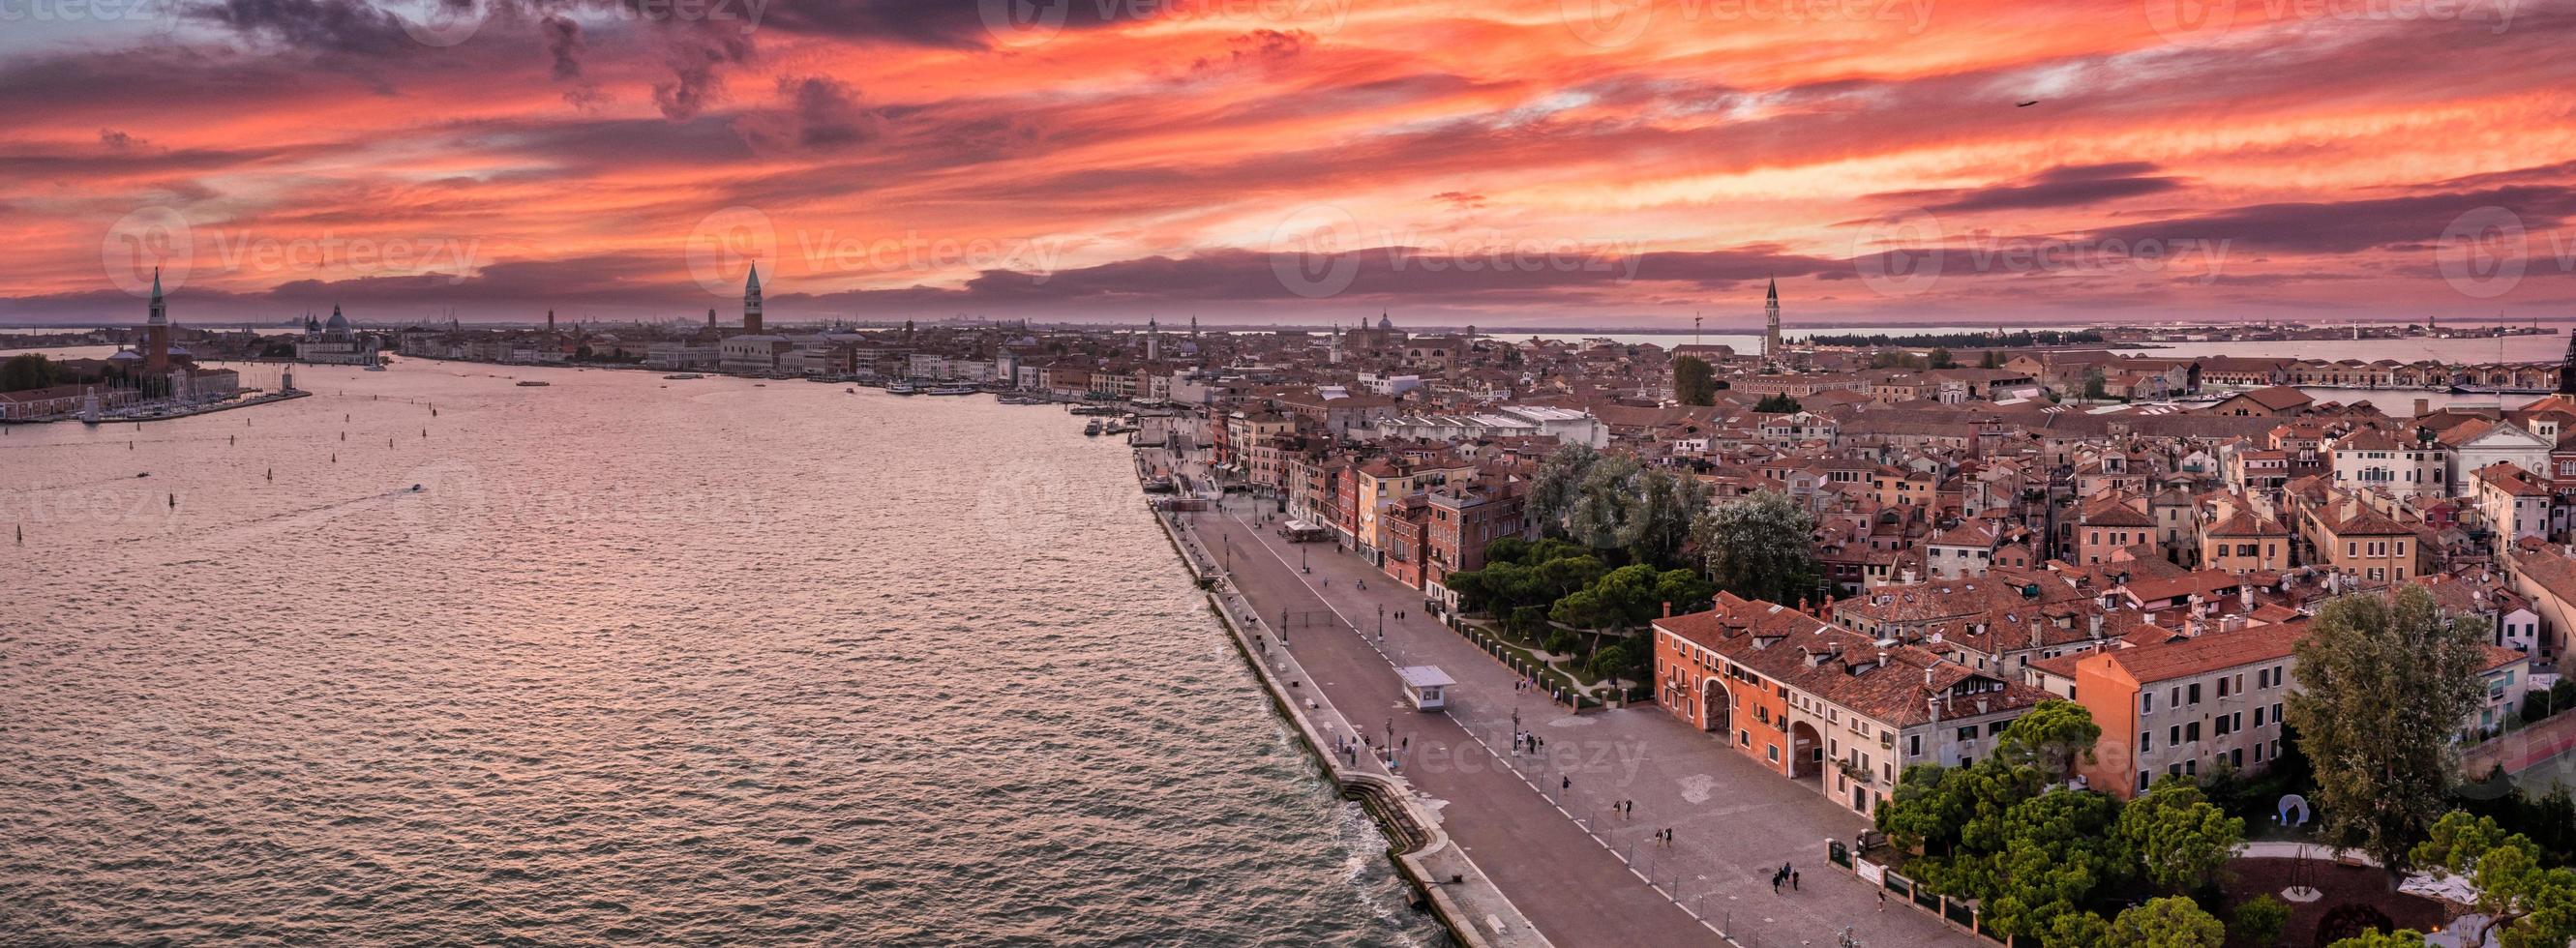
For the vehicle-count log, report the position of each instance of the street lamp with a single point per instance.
(1381, 622)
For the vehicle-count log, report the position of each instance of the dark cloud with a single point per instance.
(959, 24)
(333, 26)
(697, 57)
(826, 113)
(1259, 49)
(2338, 227)
(2068, 186)
(563, 43)
(118, 141)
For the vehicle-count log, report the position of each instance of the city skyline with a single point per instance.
(1305, 164)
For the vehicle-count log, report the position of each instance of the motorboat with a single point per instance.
(1092, 430)
(902, 388)
(955, 389)
(534, 384)
(683, 377)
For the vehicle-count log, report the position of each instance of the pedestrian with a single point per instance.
(1882, 900)
(1567, 785)
(1408, 742)
(1793, 880)
(1775, 885)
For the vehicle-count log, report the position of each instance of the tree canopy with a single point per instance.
(2528, 904)
(2177, 837)
(1760, 547)
(26, 371)
(1776, 405)
(2169, 922)
(1694, 382)
(2383, 683)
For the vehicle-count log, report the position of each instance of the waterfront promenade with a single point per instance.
(1540, 825)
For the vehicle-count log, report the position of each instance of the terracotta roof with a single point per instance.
(2208, 652)
(1899, 686)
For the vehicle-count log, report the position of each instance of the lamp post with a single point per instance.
(1381, 622)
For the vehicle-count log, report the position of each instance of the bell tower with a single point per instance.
(156, 331)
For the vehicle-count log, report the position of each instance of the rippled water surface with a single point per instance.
(643, 661)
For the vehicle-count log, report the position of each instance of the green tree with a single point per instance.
(1553, 488)
(1612, 661)
(2259, 920)
(2178, 838)
(1925, 812)
(2096, 388)
(1776, 405)
(2383, 684)
(2169, 922)
(1685, 590)
(1694, 382)
(1990, 360)
(1940, 359)
(1668, 501)
(1760, 547)
(26, 371)
(2528, 904)
(2052, 862)
(2052, 735)
(2076, 930)
(1605, 502)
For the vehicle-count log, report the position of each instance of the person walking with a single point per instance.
(1882, 900)
(1568, 783)
(1793, 880)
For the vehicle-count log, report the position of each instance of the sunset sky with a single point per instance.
(1587, 162)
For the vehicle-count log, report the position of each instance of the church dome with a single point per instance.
(126, 355)
(337, 321)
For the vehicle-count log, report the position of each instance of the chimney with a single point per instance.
(2093, 624)
(1668, 608)
(2423, 407)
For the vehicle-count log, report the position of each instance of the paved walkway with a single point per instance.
(1540, 824)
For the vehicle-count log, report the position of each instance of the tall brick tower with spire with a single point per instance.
(156, 331)
(2566, 367)
(751, 303)
(1771, 322)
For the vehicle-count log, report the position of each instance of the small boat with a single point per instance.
(902, 388)
(849, 391)
(1092, 430)
(953, 390)
(683, 377)
(534, 384)
(375, 368)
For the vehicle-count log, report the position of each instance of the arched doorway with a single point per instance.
(1716, 707)
(1806, 751)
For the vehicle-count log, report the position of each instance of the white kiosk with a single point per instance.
(1426, 686)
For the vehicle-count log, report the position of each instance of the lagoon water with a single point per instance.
(642, 662)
